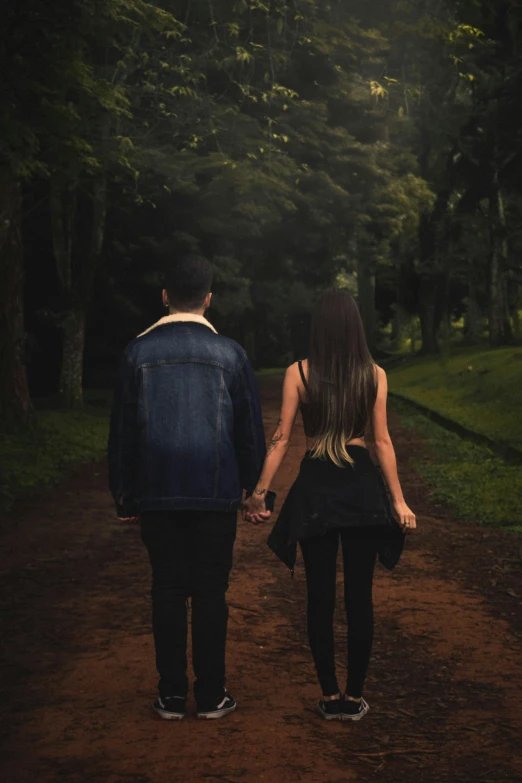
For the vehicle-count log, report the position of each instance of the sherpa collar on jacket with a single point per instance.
(180, 318)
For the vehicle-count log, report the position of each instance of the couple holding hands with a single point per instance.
(187, 450)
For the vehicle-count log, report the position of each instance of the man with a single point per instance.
(186, 439)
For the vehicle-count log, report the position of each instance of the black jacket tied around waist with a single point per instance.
(325, 496)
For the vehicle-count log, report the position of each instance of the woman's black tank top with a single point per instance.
(305, 409)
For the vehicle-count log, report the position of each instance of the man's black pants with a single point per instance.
(191, 557)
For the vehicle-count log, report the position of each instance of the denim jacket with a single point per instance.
(186, 427)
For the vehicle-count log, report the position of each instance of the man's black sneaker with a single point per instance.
(354, 710)
(330, 709)
(170, 707)
(226, 705)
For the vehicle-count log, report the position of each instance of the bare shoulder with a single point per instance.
(293, 380)
(380, 376)
(292, 371)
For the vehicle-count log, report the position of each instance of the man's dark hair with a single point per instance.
(188, 281)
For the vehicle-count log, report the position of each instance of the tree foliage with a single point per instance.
(295, 143)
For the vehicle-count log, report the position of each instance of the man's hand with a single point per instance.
(254, 508)
(121, 507)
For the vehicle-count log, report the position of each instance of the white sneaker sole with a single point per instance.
(325, 715)
(365, 710)
(216, 714)
(167, 715)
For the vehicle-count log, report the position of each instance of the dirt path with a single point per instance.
(78, 678)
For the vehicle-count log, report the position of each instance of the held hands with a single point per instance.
(254, 508)
(133, 519)
(404, 516)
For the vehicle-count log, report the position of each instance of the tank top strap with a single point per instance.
(301, 372)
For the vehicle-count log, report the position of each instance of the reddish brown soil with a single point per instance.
(78, 675)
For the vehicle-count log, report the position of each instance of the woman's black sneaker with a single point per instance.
(226, 705)
(354, 710)
(329, 710)
(170, 707)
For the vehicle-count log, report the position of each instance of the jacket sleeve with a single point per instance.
(123, 439)
(249, 432)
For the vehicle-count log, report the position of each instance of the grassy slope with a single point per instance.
(486, 398)
(61, 439)
(477, 485)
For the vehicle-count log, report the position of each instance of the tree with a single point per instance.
(113, 64)
(290, 142)
(15, 403)
(457, 67)
(19, 122)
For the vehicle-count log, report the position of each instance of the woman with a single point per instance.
(339, 493)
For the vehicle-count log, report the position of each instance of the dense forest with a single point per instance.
(296, 143)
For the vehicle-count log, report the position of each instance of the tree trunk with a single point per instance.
(496, 301)
(427, 238)
(508, 329)
(399, 326)
(514, 307)
(400, 314)
(366, 299)
(443, 309)
(499, 333)
(250, 347)
(15, 401)
(472, 315)
(71, 376)
(77, 270)
(427, 314)
(413, 336)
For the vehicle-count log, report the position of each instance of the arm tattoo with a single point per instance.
(260, 492)
(273, 443)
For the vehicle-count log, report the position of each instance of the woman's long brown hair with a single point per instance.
(342, 381)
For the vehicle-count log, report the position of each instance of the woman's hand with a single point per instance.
(405, 516)
(254, 508)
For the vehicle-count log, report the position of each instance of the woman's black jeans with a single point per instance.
(320, 559)
(191, 557)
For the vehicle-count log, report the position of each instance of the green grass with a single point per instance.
(486, 398)
(38, 458)
(478, 486)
